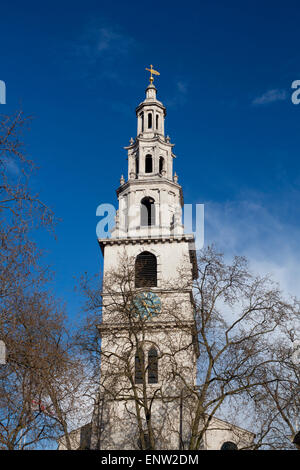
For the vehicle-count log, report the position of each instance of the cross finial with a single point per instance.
(152, 72)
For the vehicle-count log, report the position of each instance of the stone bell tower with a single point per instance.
(148, 343)
(150, 176)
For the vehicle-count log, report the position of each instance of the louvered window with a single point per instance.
(152, 366)
(146, 441)
(139, 366)
(146, 270)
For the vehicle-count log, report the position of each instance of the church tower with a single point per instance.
(148, 341)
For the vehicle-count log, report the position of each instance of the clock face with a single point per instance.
(147, 305)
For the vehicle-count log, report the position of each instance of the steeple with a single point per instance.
(149, 337)
(151, 112)
(150, 154)
(148, 229)
(152, 186)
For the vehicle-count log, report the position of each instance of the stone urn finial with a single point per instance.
(122, 181)
(175, 178)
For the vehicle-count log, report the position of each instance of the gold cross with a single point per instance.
(152, 72)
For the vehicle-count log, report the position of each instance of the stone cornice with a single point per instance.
(157, 138)
(151, 102)
(146, 240)
(150, 324)
(150, 180)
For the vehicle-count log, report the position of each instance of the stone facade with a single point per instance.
(126, 400)
(150, 176)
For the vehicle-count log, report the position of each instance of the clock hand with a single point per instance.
(145, 305)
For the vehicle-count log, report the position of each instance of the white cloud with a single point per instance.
(100, 52)
(182, 87)
(270, 96)
(252, 230)
(109, 40)
(179, 97)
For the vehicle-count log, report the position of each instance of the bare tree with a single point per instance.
(240, 322)
(278, 398)
(236, 340)
(20, 211)
(39, 384)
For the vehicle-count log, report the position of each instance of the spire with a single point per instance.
(151, 90)
(151, 112)
(150, 175)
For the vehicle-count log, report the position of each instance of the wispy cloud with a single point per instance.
(105, 42)
(182, 87)
(100, 51)
(251, 229)
(180, 95)
(270, 96)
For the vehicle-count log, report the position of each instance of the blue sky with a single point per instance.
(226, 74)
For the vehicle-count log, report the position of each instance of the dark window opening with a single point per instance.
(142, 119)
(148, 164)
(147, 212)
(137, 167)
(139, 366)
(152, 366)
(157, 121)
(161, 165)
(149, 120)
(229, 446)
(147, 442)
(296, 439)
(146, 270)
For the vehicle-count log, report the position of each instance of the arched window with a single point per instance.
(149, 120)
(156, 122)
(146, 441)
(161, 165)
(137, 167)
(152, 366)
(139, 365)
(147, 212)
(146, 270)
(228, 445)
(148, 164)
(142, 121)
(296, 440)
